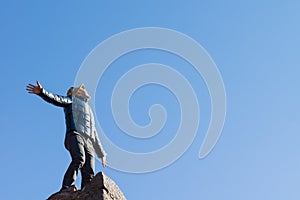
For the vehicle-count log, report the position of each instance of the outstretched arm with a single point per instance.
(54, 99)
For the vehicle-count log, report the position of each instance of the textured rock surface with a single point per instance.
(100, 188)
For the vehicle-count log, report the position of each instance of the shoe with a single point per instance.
(71, 188)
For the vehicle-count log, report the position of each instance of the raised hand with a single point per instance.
(34, 89)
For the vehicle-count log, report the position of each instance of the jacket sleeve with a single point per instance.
(98, 147)
(96, 143)
(57, 100)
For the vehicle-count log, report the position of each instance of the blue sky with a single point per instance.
(255, 45)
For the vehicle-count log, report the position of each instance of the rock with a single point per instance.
(100, 188)
(67, 194)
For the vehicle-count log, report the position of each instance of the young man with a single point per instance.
(81, 136)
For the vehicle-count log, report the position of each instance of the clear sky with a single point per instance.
(255, 45)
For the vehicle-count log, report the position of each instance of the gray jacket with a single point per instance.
(79, 117)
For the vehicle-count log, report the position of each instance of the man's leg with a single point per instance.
(75, 145)
(88, 169)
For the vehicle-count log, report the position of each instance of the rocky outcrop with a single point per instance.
(100, 188)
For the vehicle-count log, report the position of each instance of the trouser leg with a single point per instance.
(88, 169)
(75, 146)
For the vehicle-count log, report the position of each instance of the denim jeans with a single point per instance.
(82, 154)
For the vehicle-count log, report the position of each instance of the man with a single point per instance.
(81, 136)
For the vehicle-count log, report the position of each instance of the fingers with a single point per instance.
(29, 90)
(30, 86)
(104, 162)
(38, 84)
